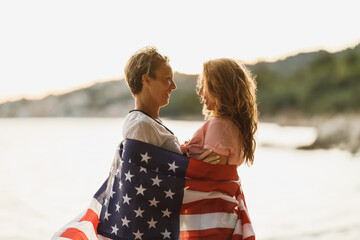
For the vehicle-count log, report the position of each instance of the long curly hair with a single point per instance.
(233, 88)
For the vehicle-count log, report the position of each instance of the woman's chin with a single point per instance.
(209, 108)
(165, 103)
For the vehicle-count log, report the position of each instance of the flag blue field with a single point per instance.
(152, 193)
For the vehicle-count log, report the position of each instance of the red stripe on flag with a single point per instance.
(237, 237)
(241, 197)
(74, 234)
(208, 206)
(208, 234)
(202, 170)
(250, 238)
(228, 188)
(92, 217)
(244, 217)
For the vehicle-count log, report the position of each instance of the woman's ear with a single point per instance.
(145, 79)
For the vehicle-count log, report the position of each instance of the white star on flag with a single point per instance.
(142, 169)
(166, 213)
(145, 157)
(127, 199)
(152, 223)
(172, 166)
(117, 207)
(111, 194)
(114, 229)
(169, 194)
(153, 202)
(139, 212)
(166, 234)
(107, 215)
(140, 190)
(138, 235)
(128, 176)
(125, 221)
(156, 181)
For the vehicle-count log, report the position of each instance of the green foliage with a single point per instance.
(309, 83)
(184, 100)
(325, 83)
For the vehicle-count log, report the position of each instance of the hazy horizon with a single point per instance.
(92, 82)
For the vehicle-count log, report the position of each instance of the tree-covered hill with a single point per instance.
(105, 99)
(309, 84)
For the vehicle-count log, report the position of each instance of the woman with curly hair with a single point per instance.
(227, 90)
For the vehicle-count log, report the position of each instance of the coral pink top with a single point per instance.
(220, 135)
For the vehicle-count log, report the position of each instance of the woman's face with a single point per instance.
(203, 92)
(162, 85)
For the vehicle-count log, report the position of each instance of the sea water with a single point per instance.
(51, 167)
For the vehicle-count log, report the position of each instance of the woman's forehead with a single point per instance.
(164, 69)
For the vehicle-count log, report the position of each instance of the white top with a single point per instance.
(141, 127)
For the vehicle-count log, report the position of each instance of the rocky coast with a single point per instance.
(333, 131)
(341, 131)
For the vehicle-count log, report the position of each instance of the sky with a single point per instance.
(51, 47)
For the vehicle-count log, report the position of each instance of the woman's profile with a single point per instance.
(227, 91)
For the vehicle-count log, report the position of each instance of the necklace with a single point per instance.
(136, 110)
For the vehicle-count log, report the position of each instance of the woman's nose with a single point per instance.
(201, 91)
(173, 85)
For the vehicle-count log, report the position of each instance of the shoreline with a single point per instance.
(333, 131)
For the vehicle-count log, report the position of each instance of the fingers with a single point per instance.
(209, 159)
(212, 159)
(215, 162)
(205, 154)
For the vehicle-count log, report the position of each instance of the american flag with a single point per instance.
(152, 193)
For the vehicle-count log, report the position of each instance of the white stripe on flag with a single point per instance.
(248, 230)
(95, 206)
(238, 227)
(192, 196)
(69, 225)
(207, 221)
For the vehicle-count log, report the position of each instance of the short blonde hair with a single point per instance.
(145, 61)
(233, 88)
